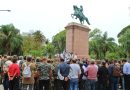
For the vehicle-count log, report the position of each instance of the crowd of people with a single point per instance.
(35, 73)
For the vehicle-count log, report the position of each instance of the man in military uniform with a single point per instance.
(45, 74)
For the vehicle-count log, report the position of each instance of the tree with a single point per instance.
(124, 40)
(107, 43)
(100, 44)
(39, 39)
(49, 50)
(94, 43)
(33, 43)
(112, 56)
(28, 43)
(59, 41)
(11, 40)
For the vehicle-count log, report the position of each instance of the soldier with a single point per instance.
(45, 74)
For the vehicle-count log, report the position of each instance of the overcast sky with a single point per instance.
(51, 16)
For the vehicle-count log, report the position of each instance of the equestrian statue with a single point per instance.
(78, 13)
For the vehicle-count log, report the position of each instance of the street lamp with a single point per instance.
(6, 10)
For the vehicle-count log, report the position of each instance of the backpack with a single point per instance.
(116, 71)
(27, 71)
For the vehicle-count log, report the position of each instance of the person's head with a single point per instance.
(106, 60)
(21, 57)
(84, 61)
(38, 59)
(110, 62)
(44, 60)
(117, 64)
(49, 61)
(124, 61)
(24, 57)
(61, 59)
(115, 61)
(29, 58)
(92, 62)
(74, 60)
(14, 58)
(103, 63)
(5, 56)
(9, 57)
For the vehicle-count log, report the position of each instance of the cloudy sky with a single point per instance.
(51, 16)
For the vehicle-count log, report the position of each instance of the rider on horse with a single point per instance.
(78, 12)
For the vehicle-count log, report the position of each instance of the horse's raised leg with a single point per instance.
(87, 21)
(80, 21)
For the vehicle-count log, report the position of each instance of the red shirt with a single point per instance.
(92, 72)
(14, 68)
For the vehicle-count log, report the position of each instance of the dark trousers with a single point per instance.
(102, 86)
(65, 84)
(0, 75)
(91, 84)
(14, 84)
(36, 83)
(113, 83)
(57, 84)
(45, 84)
(6, 82)
(82, 84)
(127, 82)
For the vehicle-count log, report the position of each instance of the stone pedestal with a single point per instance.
(77, 39)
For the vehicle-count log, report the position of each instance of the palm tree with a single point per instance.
(39, 39)
(124, 40)
(100, 44)
(59, 41)
(49, 50)
(94, 43)
(11, 39)
(107, 43)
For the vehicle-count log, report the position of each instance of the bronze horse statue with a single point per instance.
(78, 13)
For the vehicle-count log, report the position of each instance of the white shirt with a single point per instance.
(74, 71)
(126, 68)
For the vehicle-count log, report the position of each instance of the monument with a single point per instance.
(77, 35)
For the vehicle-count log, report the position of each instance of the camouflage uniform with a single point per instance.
(44, 78)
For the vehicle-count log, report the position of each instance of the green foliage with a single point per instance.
(49, 50)
(95, 33)
(59, 41)
(124, 40)
(36, 53)
(124, 30)
(112, 56)
(100, 44)
(39, 37)
(33, 43)
(11, 40)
